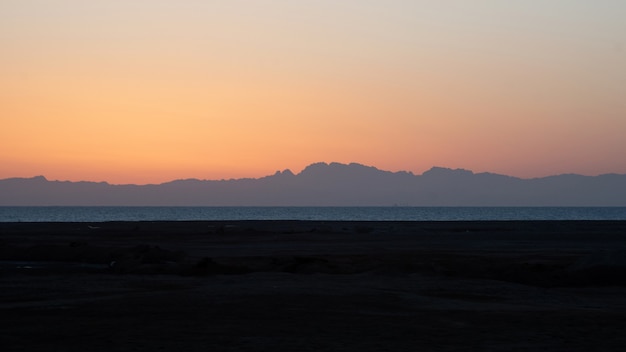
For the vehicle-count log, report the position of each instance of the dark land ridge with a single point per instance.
(333, 184)
(313, 286)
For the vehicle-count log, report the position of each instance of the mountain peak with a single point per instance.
(322, 168)
(442, 171)
(314, 167)
(285, 172)
(39, 178)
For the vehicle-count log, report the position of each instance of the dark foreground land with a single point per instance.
(313, 286)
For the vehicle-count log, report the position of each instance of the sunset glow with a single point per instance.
(151, 91)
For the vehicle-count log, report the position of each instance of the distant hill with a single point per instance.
(333, 184)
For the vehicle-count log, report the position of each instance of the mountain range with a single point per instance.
(334, 184)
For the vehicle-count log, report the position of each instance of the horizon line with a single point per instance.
(288, 170)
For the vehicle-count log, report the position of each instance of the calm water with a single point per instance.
(96, 214)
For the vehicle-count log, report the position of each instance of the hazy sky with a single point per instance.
(154, 90)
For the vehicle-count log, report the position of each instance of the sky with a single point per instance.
(148, 91)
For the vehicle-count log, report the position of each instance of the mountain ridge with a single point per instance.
(330, 184)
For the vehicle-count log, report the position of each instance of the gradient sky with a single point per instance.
(146, 91)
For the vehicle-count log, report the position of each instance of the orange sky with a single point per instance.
(150, 91)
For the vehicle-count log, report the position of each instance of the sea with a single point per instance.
(391, 213)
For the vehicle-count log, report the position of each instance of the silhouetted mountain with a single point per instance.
(332, 184)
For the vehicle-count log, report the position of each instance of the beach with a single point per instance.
(313, 286)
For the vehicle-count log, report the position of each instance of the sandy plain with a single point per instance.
(313, 286)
